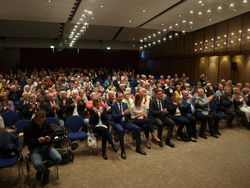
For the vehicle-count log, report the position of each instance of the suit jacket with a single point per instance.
(186, 107)
(49, 111)
(81, 108)
(226, 102)
(116, 114)
(94, 117)
(26, 113)
(154, 110)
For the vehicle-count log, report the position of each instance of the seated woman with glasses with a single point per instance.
(100, 125)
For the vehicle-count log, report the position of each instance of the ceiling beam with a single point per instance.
(117, 33)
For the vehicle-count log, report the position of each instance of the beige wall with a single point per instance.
(213, 68)
(247, 69)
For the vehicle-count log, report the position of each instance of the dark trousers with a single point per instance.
(192, 121)
(164, 121)
(119, 127)
(211, 123)
(106, 136)
(145, 124)
(242, 116)
(182, 121)
(231, 114)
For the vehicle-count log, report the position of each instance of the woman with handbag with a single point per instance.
(100, 125)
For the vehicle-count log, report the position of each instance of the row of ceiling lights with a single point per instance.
(145, 42)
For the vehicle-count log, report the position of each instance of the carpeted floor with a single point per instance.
(223, 162)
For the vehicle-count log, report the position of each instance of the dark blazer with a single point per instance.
(237, 104)
(186, 107)
(154, 110)
(94, 117)
(226, 103)
(26, 113)
(81, 108)
(116, 114)
(49, 111)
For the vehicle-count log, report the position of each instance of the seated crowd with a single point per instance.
(122, 101)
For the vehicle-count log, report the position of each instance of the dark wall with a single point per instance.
(40, 58)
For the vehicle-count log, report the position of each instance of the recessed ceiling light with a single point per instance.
(101, 6)
(191, 11)
(133, 38)
(180, 15)
(210, 19)
(92, 18)
(52, 47)
(162, 24)
(144, 11)
(248, 37)
(49, 1)
(129, 21)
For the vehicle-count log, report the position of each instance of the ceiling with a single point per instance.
(113, 20)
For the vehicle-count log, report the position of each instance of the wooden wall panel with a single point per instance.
(246, 33)
(189, 44)
(221, 37)
(202, 66)
(209, 39)
(188, 66)
(213, 67)
(238, 76)
(247, 69)
(224, 67)
(198, 42)
(234, 26)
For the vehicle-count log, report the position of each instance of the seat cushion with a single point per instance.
(8, 162)
(77, 135)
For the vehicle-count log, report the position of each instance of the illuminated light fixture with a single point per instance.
(195, 44)
(212, 46)
(176, 25)
(191, 23)
(225, 43)
(209, 11)
(206, 40)
(143, 11)
(210, 19)
(159, 41)
(159, 33)
(212, 39)
(240, 31)
(49, 1)
(244, 1)
(164, 39)
(92, 18)
(183, 32)
(145, 46)
(248, 29)
(200, 2)
(108, 48)
(101, 6)
(225, 36)
(231, 6)
(219, 8)
(239, 40)
(154, 35)
(180, 15)
(145, 39)
(218, 37)
(191, 11)
(176, 34)
(162, 24)
(170, 28)
(141, 40)
(129, 21)
(232, 41)
(164, 30)
(149, 45)
(141, 48)
(170, 37)
(248, 37)
(52, 47)
(183, 21)
(206, 47)
(154, 43)
(232, 33)
(199, 13)
(200, 49)
(149, 37)
(218, 44)
(200, 42)
(195, 50)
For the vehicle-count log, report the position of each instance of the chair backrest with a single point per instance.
(20, 125)
(10, 118)
(74, 123)
(52, 120)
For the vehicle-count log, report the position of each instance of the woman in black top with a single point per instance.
(99, 122)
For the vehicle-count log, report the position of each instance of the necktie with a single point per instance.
(159, 105)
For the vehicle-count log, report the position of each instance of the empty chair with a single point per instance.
(10, 118)
(52, 120)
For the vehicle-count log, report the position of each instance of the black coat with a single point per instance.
(94, 118)
(226, 103)
(81, 108)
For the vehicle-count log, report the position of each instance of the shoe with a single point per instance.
(215, 136)
(170, 144)
(141, 151)
(104, 155)
(148, 145)
(195, 137)
(203, 136)
(46, 177)
(74, 146)
(192, 140)
(39, 176)
(160, 144)
(218, 133)
(123, 155)
(115, 149)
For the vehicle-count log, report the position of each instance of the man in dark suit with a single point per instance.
(158, 112)
(120, 117)
(227, 105)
